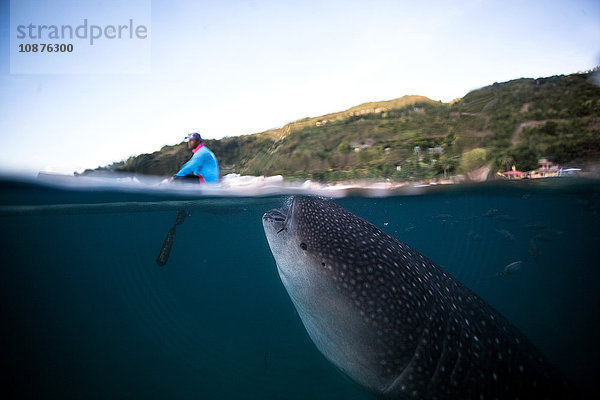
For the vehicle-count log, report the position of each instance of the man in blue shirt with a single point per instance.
(203, 166)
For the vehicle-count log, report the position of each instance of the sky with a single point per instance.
(227, 68)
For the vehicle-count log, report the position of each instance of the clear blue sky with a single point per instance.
(226, 68)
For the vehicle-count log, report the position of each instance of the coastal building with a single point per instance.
(513, 174)
(433, 151)
(418, 153)
(546, 169)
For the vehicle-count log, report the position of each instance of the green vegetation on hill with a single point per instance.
(413, 137)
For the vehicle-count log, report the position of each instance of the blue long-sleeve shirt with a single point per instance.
(203, 163)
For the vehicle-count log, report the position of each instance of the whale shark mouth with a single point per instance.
(279, 217)
(277, 214)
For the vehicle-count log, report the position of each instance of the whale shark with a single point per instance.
(394, 321)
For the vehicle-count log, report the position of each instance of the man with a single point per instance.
(203, 166)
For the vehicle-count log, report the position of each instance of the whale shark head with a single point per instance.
(300, 237)
(339, 270)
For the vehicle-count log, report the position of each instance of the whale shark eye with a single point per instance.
(322, 264)
(303, 246)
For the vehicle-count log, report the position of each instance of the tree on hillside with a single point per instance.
(473, 159)
(507, 162)
(446, 164)
(344, 147)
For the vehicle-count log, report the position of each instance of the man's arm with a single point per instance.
(188, 168)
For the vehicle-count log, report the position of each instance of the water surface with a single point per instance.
(87, 313)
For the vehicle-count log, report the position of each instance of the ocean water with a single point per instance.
(87, 312)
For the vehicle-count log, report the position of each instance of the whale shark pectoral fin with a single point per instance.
(394, 388)
(397, 385)
(348, 379)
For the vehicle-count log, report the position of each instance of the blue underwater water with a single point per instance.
(87, 313)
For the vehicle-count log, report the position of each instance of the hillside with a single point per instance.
(413, 137)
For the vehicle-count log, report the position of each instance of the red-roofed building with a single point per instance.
(514, 174)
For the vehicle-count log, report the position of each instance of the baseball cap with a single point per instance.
(191, 136)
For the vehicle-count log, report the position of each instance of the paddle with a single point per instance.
(165, 250)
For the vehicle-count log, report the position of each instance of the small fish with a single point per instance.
(474, 237)
(533, 250)
(442, 216)
(409, 229)
(506, 234)
(491, 212)
(535, 227)
(386, 223)
(505, 217)
(510, 268)
(549, 236)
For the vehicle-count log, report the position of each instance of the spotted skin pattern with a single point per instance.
(392, 319)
